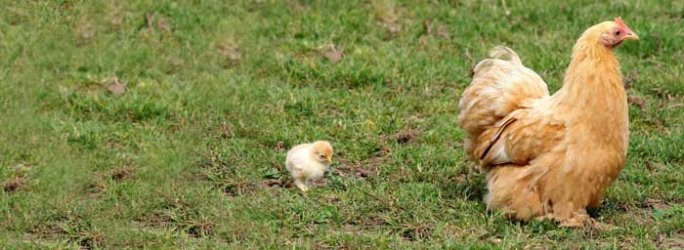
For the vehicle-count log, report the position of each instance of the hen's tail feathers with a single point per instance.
(498, 53)
(506, 54)
(500, 85)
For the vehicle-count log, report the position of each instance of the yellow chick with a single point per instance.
(308, 162)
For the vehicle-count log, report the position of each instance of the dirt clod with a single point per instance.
(638, 101)
(364, 168)
(417, 233)
(201, 230)
(239, 188)
(406, 136)
(121, 174)
(279, 183)
(13, 185)
(280, 146)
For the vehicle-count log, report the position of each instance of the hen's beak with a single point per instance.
(631, 36)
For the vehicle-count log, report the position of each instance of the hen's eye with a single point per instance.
(617, 33)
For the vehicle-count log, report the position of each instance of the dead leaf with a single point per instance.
(322, 182)
(429, 32)
(200, 230)
(163, 24)
(651, 166)
(393, 28)
(230, 50)
(424, 40)
(417, 233)
(86, 30)
(117, 20)
(637, 101)
(22, 167)
(297, 7)
(427, 24)
(225, 130)
(98, 184)
(387, 14)
(630, 79)
(331, 198)
(115, 86)
(333, 55)
(149, 20)
(349, 228)
(149, 26)
(49, 231)
(495, 240)
(656, 204)
(176, 61)
(442, 32)
(676, 241)
(280, 146)
(506, 11)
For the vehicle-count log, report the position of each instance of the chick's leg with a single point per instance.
(300, 183)
(299, 180)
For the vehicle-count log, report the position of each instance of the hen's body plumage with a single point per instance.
(548, 156)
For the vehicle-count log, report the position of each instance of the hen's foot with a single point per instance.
(578, 219)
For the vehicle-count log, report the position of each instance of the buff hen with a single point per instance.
(549, 156)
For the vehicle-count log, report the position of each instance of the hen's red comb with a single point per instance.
(619, 22)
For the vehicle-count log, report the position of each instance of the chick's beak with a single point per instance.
(328, 160)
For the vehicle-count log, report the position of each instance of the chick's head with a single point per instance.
(322, 151)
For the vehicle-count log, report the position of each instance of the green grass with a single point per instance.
(216, 92)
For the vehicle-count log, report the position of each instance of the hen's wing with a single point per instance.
(521, 137)
(501, 84)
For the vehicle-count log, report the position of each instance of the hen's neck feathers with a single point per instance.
(592, 81)
(593, 96)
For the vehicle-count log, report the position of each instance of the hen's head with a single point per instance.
(610, 33)
(322, 151)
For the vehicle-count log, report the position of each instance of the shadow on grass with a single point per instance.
(468, 185)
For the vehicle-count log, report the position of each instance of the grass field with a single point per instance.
(160, 124)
